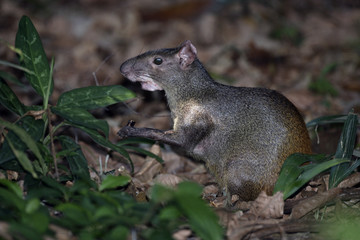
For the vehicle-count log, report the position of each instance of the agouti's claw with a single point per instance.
(131, 123)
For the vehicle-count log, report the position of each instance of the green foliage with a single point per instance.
(345, 150)
(109, 214)
(87, 209)
(75, 157)
(28, 133)
(34, 58)
(288, 33)
(94, 97)
(343, 225)
(321, 84)
(9, 99)
(27, 218)
(298, 169)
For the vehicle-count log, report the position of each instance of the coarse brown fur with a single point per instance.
(242, 134)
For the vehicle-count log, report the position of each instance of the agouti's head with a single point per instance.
(161, 69)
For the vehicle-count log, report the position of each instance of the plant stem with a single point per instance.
(52, 144)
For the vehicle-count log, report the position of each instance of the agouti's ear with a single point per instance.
(187, 54)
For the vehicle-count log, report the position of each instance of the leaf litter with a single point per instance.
(80, 41)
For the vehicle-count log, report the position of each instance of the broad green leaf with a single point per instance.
(38, 220)
(111, 182)
(94, 97)
(77, 161)
(11, 200)
(23, 159)
(13, 187)
(47, 189)
(9, 100)
(32, 205)
(105, 143)
(104, 212)
(326, 120)
(344, 150)
(298, 169)
(160, 193)
(202, 219)
(28, 140)
(169, 213)
(74, 215)
(22, 230)
(118, 233)
(11, 78)
(29, 42)
(82, 117)
(55, 185)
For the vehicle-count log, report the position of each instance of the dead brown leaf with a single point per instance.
(314, 202)
(350, 181)
(182, 234)
(167, 179)
(151, 167)
(267, 206)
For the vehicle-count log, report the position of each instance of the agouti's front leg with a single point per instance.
(168, 137)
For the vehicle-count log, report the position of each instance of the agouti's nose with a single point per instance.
(125, 68)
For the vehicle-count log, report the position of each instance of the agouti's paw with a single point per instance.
(127, 130)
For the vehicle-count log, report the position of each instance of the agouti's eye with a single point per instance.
(158, 61)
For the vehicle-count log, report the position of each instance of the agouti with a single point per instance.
(242, 134)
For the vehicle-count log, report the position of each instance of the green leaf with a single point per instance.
(32, 205)
(82, 117)
(23, 160)
(118, 233)
(10, 200)
(53, 184)
(298, 169)
(29, 42)
(9, 100)
(11, 78)
(106, 143)
(24, 231)
(13, 187)
(39, 221)
(74, 216)
(328, 69)
(326, 120)
(94, 97)
(77, 161)
(202, 219)
(24, 69)
(30, 125)
(344, 150)
(323, 86)
(160, 194)
(26, 138)
(111, 182)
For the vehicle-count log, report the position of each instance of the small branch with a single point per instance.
(52, 144)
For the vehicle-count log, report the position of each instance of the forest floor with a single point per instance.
(308, 50)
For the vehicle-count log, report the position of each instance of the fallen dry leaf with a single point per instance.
(350, 181)
(151, 167)
(267, 206)
(182, 234)
(311, 203)
(167, 179)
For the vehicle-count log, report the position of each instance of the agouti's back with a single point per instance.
(243, 134)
